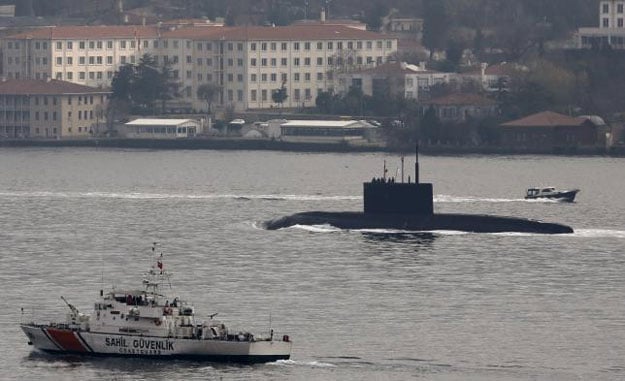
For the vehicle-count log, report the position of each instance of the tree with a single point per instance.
(373, 17)
(279, 95)
(435, 25)
(208, 92)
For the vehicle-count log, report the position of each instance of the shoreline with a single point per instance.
(277, 145)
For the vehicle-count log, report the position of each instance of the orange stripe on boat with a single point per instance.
(67, 340)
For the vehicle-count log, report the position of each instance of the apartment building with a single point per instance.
(47, 108)
(394, 78)
(611, 30)
(247, 63)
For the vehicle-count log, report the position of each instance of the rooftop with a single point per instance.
(159, 122)
(45, 87)
(546, 119)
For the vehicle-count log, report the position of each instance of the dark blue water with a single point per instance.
(364, 305)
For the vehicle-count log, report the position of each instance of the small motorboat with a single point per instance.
(551, 193)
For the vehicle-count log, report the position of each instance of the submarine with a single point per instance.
(410, 206)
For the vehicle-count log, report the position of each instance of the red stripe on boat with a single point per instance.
(67, 340)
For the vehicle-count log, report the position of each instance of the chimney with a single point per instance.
(422, 65)
(323, 14)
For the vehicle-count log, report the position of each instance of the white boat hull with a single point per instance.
(59, 340)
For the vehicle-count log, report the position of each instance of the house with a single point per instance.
(549, 130)
(326, 131)
(611, 30)
(494, 78)
(161, 128)
(48, 108)
(393, 78)
(460, 107)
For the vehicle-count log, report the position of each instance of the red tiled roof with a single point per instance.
(89, 32)
(279, 33)
(45, 87)
(546, 119)
(462, 99)
(282, 33)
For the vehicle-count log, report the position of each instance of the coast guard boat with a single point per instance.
(551, 193)
(145, 322)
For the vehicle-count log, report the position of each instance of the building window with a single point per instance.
(296, 61)
(283, 46)
(619, 22)
(253, 77)
(319, 76)
(70, 45)
(59, 60)
(330, 45)
(59, 75)
(283, 62)
(70, 76)
(263, 95)
(307, 61)
(296, 77)
(296, 94)
(59, 45)
(619, 8)
(273, 46)
(319, 61)
(263, 46)
(253, 46)
(274, 77)
(253, 62)
(253, 95)
(606, 22)
(240, 95)
(605, 8)
(109, 44)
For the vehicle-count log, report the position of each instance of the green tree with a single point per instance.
(208, 92)
(435, 25)
(279, 95)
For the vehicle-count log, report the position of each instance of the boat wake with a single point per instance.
(442, 198)
(175, 196)
(598, 233)
(302, 363)
(578, 233)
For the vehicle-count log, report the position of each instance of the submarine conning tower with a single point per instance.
(385, 195)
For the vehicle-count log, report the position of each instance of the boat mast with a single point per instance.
(416, 164)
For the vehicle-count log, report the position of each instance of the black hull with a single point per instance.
(416, 222)
(243, 359)
(568, 196)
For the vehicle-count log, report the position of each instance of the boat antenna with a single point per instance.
(270, 328)
(71, 306)
(384, 172)
(416, 164)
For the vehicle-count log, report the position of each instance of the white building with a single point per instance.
(411, 81)
(326, 131)
(248, 63)
(611, 30)
(161, 128)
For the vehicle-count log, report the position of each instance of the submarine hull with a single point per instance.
(420, 222)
